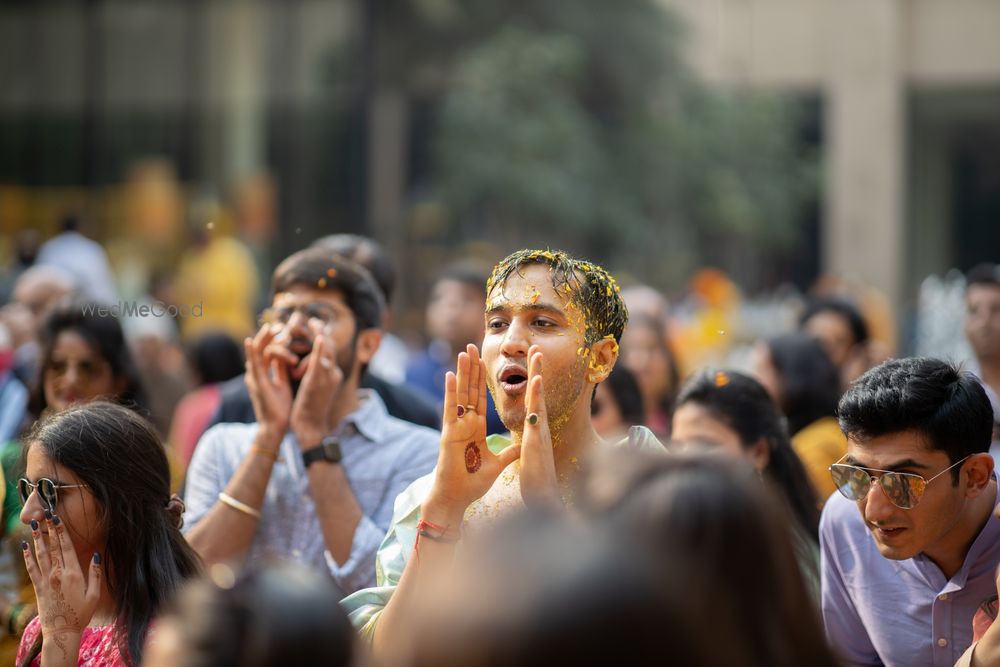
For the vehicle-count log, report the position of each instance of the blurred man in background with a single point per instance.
(36, 291)
(454, 318)
(84, 258)
(982, 328)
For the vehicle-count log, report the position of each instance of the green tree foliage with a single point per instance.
(574, 123)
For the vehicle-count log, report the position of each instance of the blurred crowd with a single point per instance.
(206, 448)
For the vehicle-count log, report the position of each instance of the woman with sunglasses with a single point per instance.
(83, 357)
(734, 414)
(106, 549)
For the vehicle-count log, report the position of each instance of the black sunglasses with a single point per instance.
(48, 491)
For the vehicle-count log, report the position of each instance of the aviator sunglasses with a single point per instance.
(903, 489)
(48, 491)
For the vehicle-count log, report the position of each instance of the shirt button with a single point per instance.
(942, 642)
(943, 597)
(298, 554)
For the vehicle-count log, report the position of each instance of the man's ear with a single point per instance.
(978, 472)
(603, 355)
(368, 342)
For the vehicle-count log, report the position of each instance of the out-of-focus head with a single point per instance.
(646, 301)
(607, 604)
(734, 413)
(617, 405)
(27, 243)
(367, 252)
(918, 416)
(215, 357)
(797, 372)
(982, 321)
(838, 324)
(278, 616)
(40, 288)
(647, 353)
(20, 323)
(722, 538)
(728, 410)
(84, 357)
(455, 308)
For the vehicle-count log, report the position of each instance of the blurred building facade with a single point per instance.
(909, 94)
(910, 99)
(222, 90)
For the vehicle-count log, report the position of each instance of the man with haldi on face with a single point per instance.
(552, 329)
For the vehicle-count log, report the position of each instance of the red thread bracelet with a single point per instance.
(443, 535)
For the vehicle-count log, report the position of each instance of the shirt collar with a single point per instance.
(369, 420)
(986, 541)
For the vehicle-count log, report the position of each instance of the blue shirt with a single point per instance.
(899, 613)
(382, 455)
(426, 372)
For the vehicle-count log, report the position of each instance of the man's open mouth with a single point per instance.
(513, 379)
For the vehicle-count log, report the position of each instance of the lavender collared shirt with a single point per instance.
(898, 613)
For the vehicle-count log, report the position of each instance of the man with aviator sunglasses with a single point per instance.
(909, 548)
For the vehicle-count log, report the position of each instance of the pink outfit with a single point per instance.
(97, 648)
(191, 417)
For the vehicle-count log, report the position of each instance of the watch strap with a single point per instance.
(327, 450)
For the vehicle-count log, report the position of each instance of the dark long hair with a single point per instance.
(722, 542)
(215, 357)
(810, 383)
(625, 390)
(103, 332)
(119, 457)
(605, 605)
(741, 403)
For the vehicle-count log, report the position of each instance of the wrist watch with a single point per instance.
(328, 450)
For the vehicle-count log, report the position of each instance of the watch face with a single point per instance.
(331, 449)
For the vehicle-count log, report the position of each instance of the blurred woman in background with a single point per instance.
(734, 414)
(678, 561)
(841, 329)
(797, 372)
(84, 357)
(725, 552)
(646, 352)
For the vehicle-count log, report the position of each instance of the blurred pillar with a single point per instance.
(387, 136)
(864, 234)
(237, 42)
